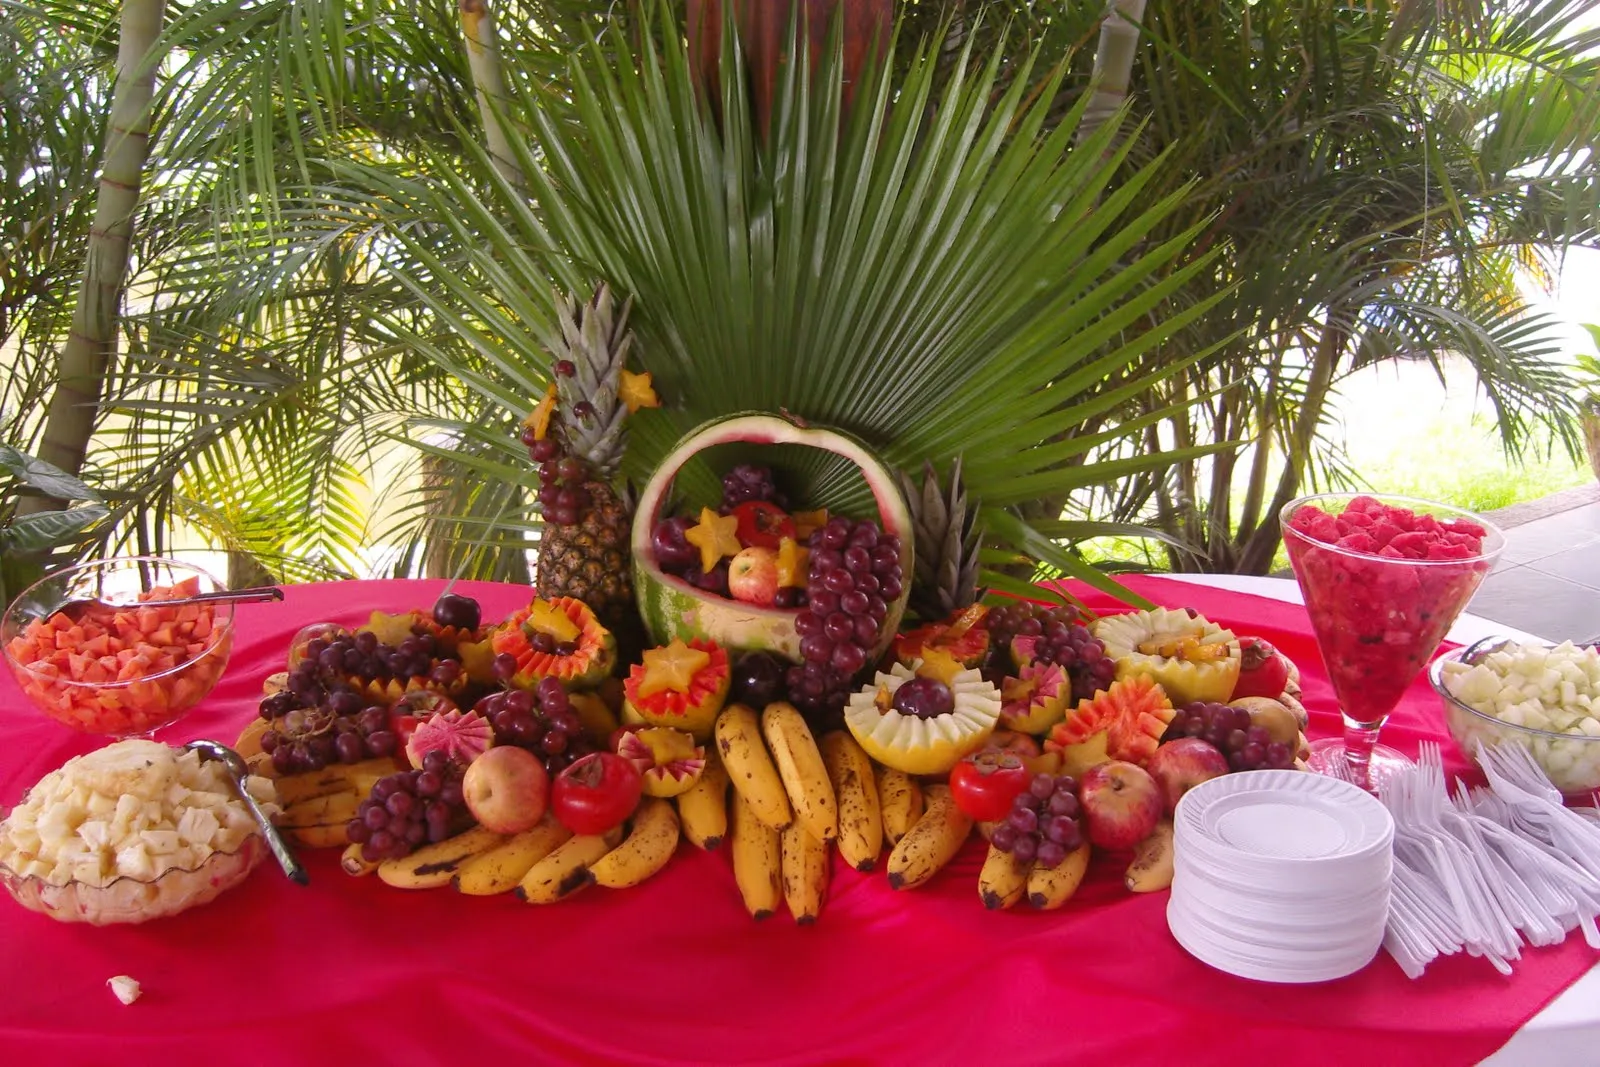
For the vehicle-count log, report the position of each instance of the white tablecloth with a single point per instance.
(1567, 1031)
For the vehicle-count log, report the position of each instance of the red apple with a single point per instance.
(507, 789)
(753, 576)
(1121, 804)
(1183, 764)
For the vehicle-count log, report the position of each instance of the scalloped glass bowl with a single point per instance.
(1570, 761)
(131, 708)
(132, 900)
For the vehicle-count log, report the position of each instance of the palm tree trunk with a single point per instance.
(1262, 545)
(483, 56)
(85, 359)
(1113, 63)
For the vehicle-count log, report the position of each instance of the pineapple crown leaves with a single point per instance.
(947, 536)
(595, 339)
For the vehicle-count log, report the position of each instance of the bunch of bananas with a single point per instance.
(1004, 880)
(793, 796)
(317, 805)
(541, 865)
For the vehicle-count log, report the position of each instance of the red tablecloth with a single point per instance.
(349, 970)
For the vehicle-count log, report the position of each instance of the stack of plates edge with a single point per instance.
(1281, 876)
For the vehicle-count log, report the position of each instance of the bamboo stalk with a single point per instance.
(85, 360)
(1113, 64)
(488, 82)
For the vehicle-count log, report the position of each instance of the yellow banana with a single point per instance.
(647, 848)
(249, 742)
(757, 862)
(434, 865)
(599, 721)
(566, 870)
(1051, 887)
(275, 683)
(354, 863)
(800, 766)
(334, 808)
(856, 789)
(804, 863)
(931, 843)
(357, 778)
(900, 801)
(501, 868)
(750, 767)
(1151, 868)
(703, 809)
(1003, 881)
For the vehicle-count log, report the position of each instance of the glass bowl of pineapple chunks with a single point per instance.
(131, 832)
(1544, 697)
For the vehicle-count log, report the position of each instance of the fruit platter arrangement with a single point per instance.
(516, 758)
(751, 656)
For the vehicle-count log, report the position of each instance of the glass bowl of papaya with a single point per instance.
(97, 646)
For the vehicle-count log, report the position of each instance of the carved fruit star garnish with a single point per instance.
(794, 564)
(636, 391)
(939, 665)
(671, 667)
(716, 536)
(538, 420)
(807, 523)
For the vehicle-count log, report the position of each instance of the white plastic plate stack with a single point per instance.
(1281, 876)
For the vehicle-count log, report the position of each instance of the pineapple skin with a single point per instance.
(590, 561)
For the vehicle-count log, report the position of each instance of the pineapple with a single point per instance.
(946, 548)
(583, 551)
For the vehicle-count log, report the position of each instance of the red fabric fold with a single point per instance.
(675, 972)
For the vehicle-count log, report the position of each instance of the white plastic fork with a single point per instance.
(1483, 922)
(1561, 832)
(1571, 834)
(1518, 898)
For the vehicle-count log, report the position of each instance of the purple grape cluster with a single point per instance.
(563, 496)
(541, 721)
(339, 730)
(409, 809)
(820, 693)
(1070, 646)
(1022, 618)
(362, 655)
(747, 482)
(854, 574)
(1228, 729)
(1043, 824)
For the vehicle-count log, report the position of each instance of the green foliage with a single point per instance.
(953, 279)
(1376, 177)
(30, 543)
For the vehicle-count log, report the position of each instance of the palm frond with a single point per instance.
(942, 282)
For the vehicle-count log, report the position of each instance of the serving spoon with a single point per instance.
(237, 772)
(77, 609)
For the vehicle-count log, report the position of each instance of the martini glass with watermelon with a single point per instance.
(1384, 578)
